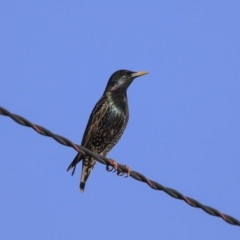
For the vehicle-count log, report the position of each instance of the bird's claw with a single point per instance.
(127, 170)
(109, 169)
(120, 173)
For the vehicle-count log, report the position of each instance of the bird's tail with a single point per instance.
(86, 170)
(74, 163)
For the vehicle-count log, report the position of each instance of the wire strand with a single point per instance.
(121, 168)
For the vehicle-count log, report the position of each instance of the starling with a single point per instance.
(107, 121)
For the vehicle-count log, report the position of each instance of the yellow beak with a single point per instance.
(138, 74)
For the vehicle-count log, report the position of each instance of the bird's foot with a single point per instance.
(126, 171)
(114, 168)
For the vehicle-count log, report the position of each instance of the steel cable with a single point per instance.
(121, 168)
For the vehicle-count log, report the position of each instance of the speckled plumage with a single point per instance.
(107, 121)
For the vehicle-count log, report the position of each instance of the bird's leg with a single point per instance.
(114, 165)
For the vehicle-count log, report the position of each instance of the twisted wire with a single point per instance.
(121, 168)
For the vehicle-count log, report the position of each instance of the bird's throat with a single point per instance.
(117, 102)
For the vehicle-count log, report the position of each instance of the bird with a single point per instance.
(106, 123)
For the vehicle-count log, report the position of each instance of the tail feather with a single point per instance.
(86, 170)
(74, 163)
(82, 186)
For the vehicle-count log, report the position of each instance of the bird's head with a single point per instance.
(121, 79)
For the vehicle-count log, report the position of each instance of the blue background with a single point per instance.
(56, 58)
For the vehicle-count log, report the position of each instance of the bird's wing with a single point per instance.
(97, 115)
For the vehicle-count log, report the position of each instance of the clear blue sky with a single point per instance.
(184, 132)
